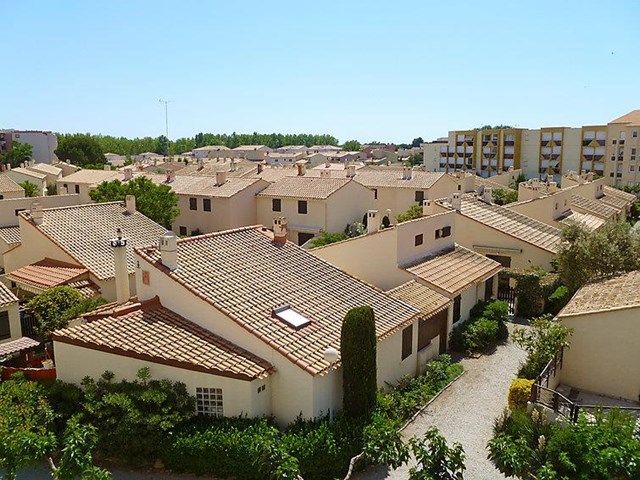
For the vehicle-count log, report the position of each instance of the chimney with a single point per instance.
(63, 190)
(510, 169)
(456, 201)
(589, 177)
(169, 250)
(130, 203)
(128, 173)
(487, 196)
(327, 163)
(36, 213)
(351, 171)
(260, 168)
(553, 187)
(107, 168)
(373, 221)
(22, 165)
(406, 173)
(325, 173)
(302, 169)
(171, 176)
(221, 178)
(119, 245)
(200, 164)
(280, 230)
(427, 208)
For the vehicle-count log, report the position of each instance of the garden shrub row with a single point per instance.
(485, 328)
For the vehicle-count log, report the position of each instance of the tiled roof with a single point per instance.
(189, 185)
(9, 185)
(46, 274)
(455, 270)
(512, 223)
(317, 188)
(6, 296)
(588, 221)
(30, 173)
(214, 148)
(245, 275)
(148, 331)
(87, 288)
(616, 202)
(619, 292)
(250, 147)
(209, 168)
(631, 118)
(17, 346)
(337, 166)
(488, 182)
(10, 235)
(85, 231)
(595, 207)
(373, 177)
(92, 176)
(614, 192)
(273, 174)
(428, 301)
(46, 168)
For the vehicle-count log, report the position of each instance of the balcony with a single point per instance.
(602, 142)
(509, 143)
(586, 142)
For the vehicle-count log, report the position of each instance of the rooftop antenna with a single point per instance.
(166, 115)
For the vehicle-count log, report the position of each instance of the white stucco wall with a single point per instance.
(14, 321)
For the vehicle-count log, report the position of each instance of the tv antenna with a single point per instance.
(166, 115)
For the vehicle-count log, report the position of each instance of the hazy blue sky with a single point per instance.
(374, 70)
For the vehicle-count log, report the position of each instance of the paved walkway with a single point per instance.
(466, 411)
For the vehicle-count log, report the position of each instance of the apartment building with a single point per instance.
(608, 150)
(43, 143)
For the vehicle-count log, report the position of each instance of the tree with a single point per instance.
(163, 146)
(352, 146)
(358, 354)
(415, 211)
(80, 150)
(541, 341)
(503, 196)
(30, 189)
(158, 202)
(416, 159)
(416, 142)
(25, 418)
(585, 255)
(19, 153)
(435, 459)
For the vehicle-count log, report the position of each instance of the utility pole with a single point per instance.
(166, 116)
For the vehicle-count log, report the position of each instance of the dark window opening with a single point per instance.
(418, 240)
(5, 329)
(302, 206)
(206, 204)
(77, 188)
(407, 340)
(375, 193)
(183, 231)
(193, 204)
(456, 308)
(276, 205)
(419, 196)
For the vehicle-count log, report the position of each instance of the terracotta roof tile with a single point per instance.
(428, 301)
(46, 274)
(317, 188)
(622, 291)
(512, 223)
(373, 177)
(595, 207)
(245, 275)
(615, 202)
(17, 346)
(29, 173)
(85, 231)
(6, 296)
(151, 332)
(614, 192)
(10, 235)
(9, 185)
(586, 220)
(45, 168)
(455, 270)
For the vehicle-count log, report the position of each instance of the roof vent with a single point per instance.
(36, 213)
(290, 317)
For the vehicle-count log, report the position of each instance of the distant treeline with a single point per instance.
(134, 146)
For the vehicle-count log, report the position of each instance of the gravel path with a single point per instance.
(466, 411)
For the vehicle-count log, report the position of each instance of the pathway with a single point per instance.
(466, 411)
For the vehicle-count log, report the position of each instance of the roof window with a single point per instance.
(291, 317)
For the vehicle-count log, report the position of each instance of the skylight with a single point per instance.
(291, 317)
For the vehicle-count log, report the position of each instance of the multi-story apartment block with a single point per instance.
(43, 144)
(607, 150)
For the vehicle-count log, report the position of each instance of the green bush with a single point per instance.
(480, 335)
(519, 393)
(484, 329)
(66, 400)
(558, 299)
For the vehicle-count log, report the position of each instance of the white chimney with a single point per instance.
(325, 173)
(128, 173)
(456, 201)
(589, 177)
(119, 245)
(427, 208)
(169, 250)
(487, 196)
(406, 173)
(373, 221)
(221, 178)
(130, 203)
(36, 213)
(351, 171)
(280, 230)
(553, 187)
(107, 168)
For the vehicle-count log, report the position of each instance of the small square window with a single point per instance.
(634, 134)
(209, 402)
(193, 204)
(419, 196)
(77, 188)
(183, 231)
(276, 205)
(419, 239)
(302, 207)
(446, 232)
(5, 328)
(206, 204)
(438, 234)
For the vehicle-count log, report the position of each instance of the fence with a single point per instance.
(508, 294)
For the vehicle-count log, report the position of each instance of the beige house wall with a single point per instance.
(9, 195)
(83, 189)
(407, 251)
(546, 209)
(19, 177)
(603, 356)
(239, 397)
(8, 207)
(347, 205)
(400, 199)
(15, 329)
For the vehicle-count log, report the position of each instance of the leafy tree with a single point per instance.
(352, 146)
(163, 146)
(503, 196)
(358, 354)
(158, 202)
(585, 255)
(80, 149)
(416, 142)
(19, 153)
(416, 159)
(541, 341)
(415, 211)
(435, 459)
(30, 189)
(25, 418)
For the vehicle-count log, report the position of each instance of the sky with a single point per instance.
(375, 70)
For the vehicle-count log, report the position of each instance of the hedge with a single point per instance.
(520, 393)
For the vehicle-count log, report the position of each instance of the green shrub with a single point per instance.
(66, 400)
(558, 299)
(520, 393)
(383, 443)
(481, 335)
(484, 329)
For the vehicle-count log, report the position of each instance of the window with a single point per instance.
(5, 330)
(183, 231)
(209, 401)
(446, 232)
(206, 204)
(302, 207)
(634, 134)
(456, 308)
(1, 197)
(375, 193)
(276, 205)
(193, 204)
(304, 237)
(418, 240)
(66, 187)
(419, 196)
(407, 340)
(77, 188)
(146, 280)
(261, 388)
(18, 210)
